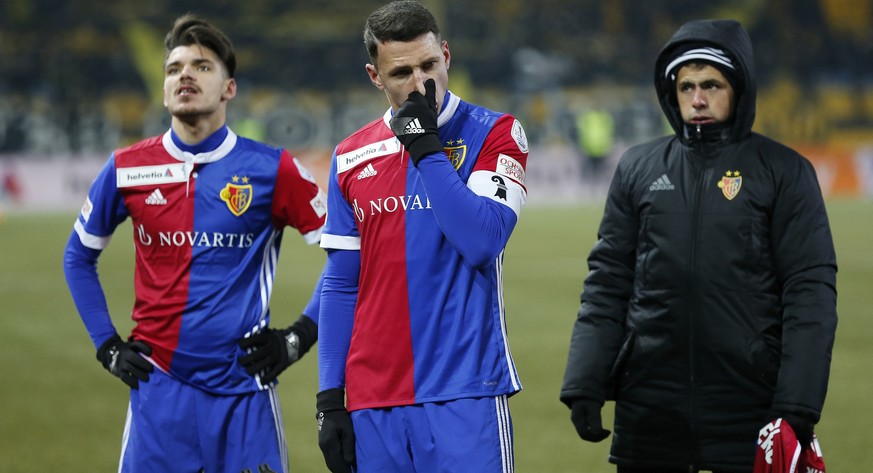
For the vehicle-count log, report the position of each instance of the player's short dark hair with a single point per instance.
(402, 20)
(189, 29)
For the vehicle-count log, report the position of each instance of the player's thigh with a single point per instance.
(159, 435)
(381, 440)
(458, 435)
(470, 435)
(243, 433)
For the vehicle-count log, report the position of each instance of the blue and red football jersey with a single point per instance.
(428, 321)
(207, 229)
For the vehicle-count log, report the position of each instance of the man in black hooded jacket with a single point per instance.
(709, 308)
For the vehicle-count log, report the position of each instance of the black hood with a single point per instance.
(733, 39)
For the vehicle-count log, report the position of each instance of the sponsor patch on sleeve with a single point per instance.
(519, 136)
(319, 203)
(87, 207)
(304, 173)
(509, 167)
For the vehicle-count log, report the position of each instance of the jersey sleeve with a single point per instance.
(102, 212)
(500, 170)
(312, 308)
(298, 201)
(336, 316)
(341, 231)
(479, 216)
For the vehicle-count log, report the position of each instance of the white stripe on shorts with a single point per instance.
(504, 425)
(280, 427)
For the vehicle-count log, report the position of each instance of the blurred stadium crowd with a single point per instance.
(83, 76)
(79, 78)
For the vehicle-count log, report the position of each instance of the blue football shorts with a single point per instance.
(173, 427)
(439, 437)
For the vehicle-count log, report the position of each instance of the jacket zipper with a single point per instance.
(695, 224)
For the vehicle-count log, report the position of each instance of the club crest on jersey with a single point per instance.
(730, 184)
(236, 196)
(456, 154)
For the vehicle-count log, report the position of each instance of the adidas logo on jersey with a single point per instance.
(368, 171)
(156, 198)
(662, 184)
(413, 128)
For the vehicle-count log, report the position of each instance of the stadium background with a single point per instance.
(79, 78)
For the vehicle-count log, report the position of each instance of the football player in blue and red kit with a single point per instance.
(208, 210)
(414, 366)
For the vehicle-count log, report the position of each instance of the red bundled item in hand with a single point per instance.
(780, 452)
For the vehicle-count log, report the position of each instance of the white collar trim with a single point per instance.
(200, 158)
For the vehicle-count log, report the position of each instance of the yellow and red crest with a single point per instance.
(237, 197)
(456, 154)
(730, 184)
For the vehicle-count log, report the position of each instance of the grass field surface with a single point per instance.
(60, 411)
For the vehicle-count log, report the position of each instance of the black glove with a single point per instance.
(123, 360)
(336, 436)
(802, 426)
(585, 415)
(270, 351)
(415, 123)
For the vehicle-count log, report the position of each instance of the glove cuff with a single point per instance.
(331, 400)
(103, 352)
(424, 145)
(307, 332)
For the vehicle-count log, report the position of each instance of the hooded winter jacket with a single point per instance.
(710, 300)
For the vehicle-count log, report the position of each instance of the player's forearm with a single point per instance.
(313, 307)
(477, 227)
(80, 271)
(336, 316)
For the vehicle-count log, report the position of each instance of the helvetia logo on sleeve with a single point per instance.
(237, 197)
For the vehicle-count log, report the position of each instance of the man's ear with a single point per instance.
(229, 90)
(374, 76)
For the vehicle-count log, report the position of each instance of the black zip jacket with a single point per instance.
(711, 294)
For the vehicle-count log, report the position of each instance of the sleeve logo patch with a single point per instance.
(87, 207)
(319, 204)
(519, 137)
(509, 167)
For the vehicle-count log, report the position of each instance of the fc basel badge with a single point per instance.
(237, 197)
(730, 184)
(456, 154)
